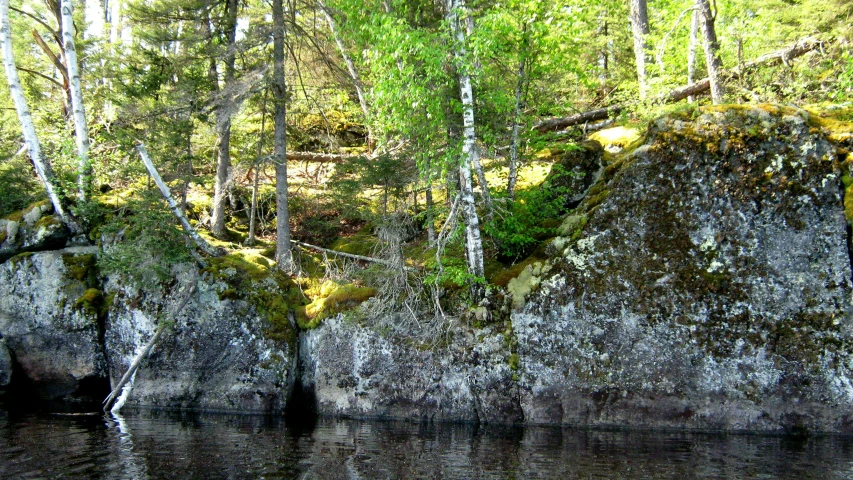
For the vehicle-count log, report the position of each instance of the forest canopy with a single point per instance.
(405, 148)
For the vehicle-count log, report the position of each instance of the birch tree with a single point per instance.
(640, 30)
(473, 240)
(42, 165)
(78, 111)
(712, 47)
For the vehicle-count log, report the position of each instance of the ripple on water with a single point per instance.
(168, 445)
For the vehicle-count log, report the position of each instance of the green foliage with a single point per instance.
(143, 242)
(519, 230)
(18, 185)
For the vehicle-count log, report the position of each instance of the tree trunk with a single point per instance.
(81, 129)
(283, 252)
(640, 29)
(473, 240)
(691, 51)
(519, 89)
(42, 165)
(712, 57)
(200, 242)
(253, 209)
(356, 78)
(223, 126)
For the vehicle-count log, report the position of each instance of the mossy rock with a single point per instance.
(81, 267)
(330, 299)
(91, 302)
(22, 257)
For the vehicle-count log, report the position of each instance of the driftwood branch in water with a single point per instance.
(196, 238)
(800, 48)
(347, 255)
(134, 365)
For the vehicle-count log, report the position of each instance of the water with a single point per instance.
(169, 445)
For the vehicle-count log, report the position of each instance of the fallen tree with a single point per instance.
(783, 56)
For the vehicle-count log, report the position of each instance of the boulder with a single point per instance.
(356, 371)
(707, 287)
(50, 322)
(5, 365)
(221, 352)
(33, 229)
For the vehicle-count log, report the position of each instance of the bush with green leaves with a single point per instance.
(143, 242)
(18, 185)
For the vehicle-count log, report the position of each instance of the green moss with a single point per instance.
(514, 362)
(362, 243)
(40, 204)
(848, 204)
(228, 294)
(329, 299)
(2, 236)
(47, 221)
(91, 302)
(21, 257)
(16, 216)
(82, 268)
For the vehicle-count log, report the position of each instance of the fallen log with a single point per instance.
(800, 48)
(352, 256)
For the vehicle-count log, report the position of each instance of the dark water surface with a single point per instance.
(169, 445)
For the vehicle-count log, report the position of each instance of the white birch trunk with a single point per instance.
(200, 242)
(691, 51)
(639, 29)
(473, 240)
(42, 165)
(712, 57)
(78, 111)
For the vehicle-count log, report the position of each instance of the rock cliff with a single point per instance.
(703, 282)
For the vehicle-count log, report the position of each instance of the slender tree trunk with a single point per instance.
(519, 89)
(356, 78)
(640, 29)
(223, 126)
(42, 165)
(473, 240)
(200, 242)
(691, 50)
(603, 63)
(81, 129)
(283, 247)
(253, 209)
(712, 47)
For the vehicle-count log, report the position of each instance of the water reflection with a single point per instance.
(167, 445)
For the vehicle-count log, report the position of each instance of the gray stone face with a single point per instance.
(215, 355)
(711, 287)
(5, 365)
(355, 371)
(55, 341)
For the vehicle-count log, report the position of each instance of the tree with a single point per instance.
(224, 112)
(640, 29)
(81, 129)
(42, 165)
(473, 241)
(283, 253)
(712, 47)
